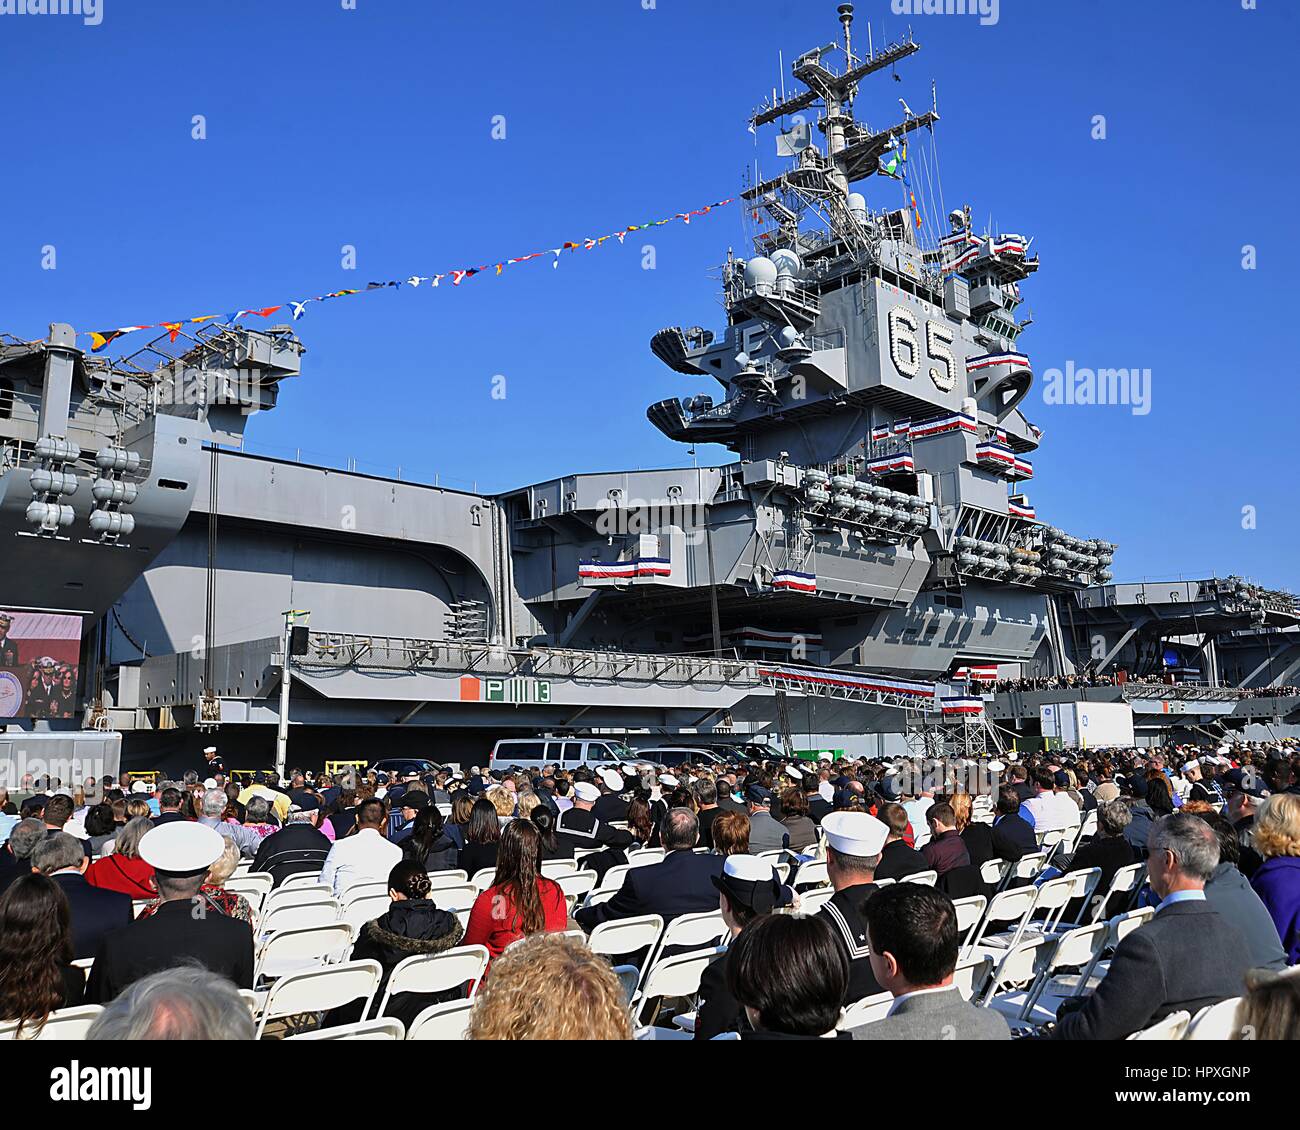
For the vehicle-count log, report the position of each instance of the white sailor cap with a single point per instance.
(210, 783)
(1190, 765)
(854, 833)
(669, 780)
(586, 791)
(794, 772)
(181, 847)
(139, 787)
(995, 767)
(631, 771)
(613, 780)
(209, 749)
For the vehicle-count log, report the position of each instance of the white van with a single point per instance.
(568, 753)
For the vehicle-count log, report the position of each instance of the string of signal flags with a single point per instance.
(101, 339)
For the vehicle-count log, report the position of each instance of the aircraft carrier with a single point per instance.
(868, 573)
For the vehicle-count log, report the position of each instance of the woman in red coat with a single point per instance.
(124, 870)
(520, 901)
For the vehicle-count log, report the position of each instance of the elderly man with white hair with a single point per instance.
(246, 839)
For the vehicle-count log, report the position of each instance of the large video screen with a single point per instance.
(39, 656)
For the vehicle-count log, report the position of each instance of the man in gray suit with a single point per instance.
(766, 833)
(912, 931)
(1186, 957)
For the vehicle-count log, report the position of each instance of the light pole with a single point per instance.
(282, 736)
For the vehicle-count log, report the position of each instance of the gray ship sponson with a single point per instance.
(874, 519)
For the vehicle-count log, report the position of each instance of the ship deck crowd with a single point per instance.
(1072, 895)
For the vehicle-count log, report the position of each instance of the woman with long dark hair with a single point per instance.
(520, 901)
(1160, 796)
(640, 822)
(428, 844)
(482, 834)
(36, 971)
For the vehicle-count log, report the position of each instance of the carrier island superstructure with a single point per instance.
(870, 553)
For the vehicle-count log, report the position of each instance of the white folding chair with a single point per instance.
(1016, 972)
(674, 977)
(460, 897)
(453, 878)
(704, 930)
(1084, 883)
(1215, 1021)
(810, 902)
(993, 871)
(62, 1024)
(971, 975)
(865, 1011)
(1171, 1027)
(1122, 925)
(442, 1022)
(645, 857)
(613, 879)
(305, 917)
(362, 890)
(138, 905)
(319, 990)
(1015, 906)
(429, 973)
(297, 896)
(1080, 949)
(1053, 898)
(1126, 879)
(554, 868)
(387, 1028)
(358, 911)
(626, 935)
(484, 877)
(576, 884)
(301, 879)
(291, 951)
(970, 912)
(257, 883)
(462, 916)
(811, 874)
(1025, 869)
(596, 897)
(924, 878)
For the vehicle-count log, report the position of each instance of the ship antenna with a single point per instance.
(846, 18)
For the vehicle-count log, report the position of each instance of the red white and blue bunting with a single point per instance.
(625, 570)
(789, 581)
(943, 425)
(993, 360)
(977, 673)
(891, 465)
(962, 707)
(1018, 507)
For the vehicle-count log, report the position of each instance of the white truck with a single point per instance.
(1087, 725)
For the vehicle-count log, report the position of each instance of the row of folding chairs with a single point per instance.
(1036, 974)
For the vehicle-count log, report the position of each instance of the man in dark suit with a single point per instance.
(94, 912)
(1013, 835)
(184, 929)
(818, 806)
(16, 853)
(1188, 956)
(169, 804)
(296, 847)
(681, 884)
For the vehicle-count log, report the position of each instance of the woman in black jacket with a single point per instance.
(412, 925)
(428, 844)
(482, 834)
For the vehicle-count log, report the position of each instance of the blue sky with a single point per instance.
(373, 128)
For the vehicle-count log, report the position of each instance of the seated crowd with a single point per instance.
(833, 885)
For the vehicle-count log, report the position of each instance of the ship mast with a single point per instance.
(853, 151)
